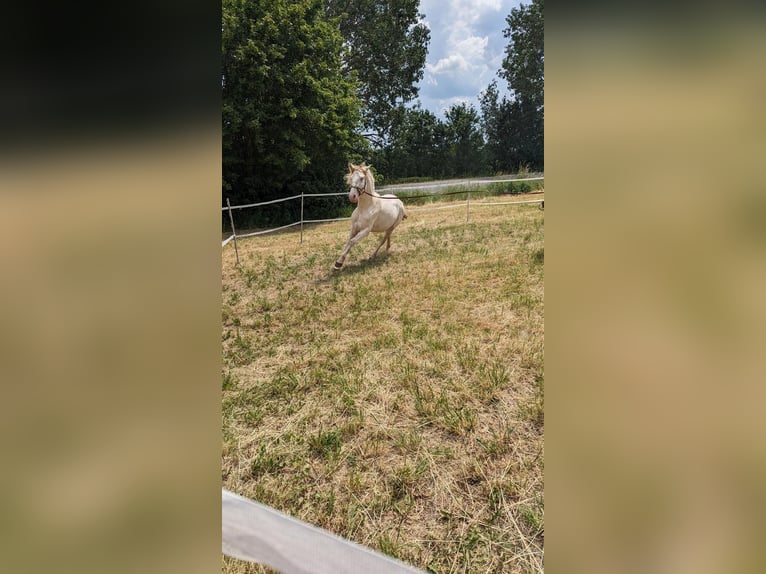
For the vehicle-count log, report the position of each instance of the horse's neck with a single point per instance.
(368, 198)
(370, 194)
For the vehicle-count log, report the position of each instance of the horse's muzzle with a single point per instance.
(353, 196)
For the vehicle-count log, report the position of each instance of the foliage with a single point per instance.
(524, 62)
(515, 127)
(386, 45)
(506, 137)
(416, 145)
(500, 123)
(423, 145)
(289, 113)
(466, 141)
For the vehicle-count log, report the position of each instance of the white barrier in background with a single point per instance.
(257, 533)
(508, 202)
(225, 241)
(381, 189)
(438, 184)
(268, 230)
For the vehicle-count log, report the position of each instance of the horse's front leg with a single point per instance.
(353, 240)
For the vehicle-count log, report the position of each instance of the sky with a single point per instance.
(466, 50)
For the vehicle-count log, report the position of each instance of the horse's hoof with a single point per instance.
(337, 266)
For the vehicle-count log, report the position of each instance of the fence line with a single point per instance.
(394, 187)
(302, 221)
(429, 208)
(269, 230)
(397, 187)
(257, 533)
(269, 202)
(325, 220)
(509, 202)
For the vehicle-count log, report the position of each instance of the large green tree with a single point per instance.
(464, 129)
(422, 145)
(500, 126)
(418, 146)
(514, 126)
(290, 114)
(386, 43)
(524, 62)
(524, 69)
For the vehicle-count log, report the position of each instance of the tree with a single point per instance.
(464, 129)
(289, 113)
(500, 125)
(420, 145)
(524, 69)
(524, 63)
(386, 46)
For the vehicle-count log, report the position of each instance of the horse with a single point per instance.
(374, 212)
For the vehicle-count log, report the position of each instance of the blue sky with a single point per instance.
(466, 50)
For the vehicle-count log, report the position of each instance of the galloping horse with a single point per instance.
(374, 212)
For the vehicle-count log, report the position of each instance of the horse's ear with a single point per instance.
(350, 167)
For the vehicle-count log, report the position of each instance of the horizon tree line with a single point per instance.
(309, 85)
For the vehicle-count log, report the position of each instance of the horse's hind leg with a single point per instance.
(389, 232)
(382, 241)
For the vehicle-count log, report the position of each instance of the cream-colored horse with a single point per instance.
(374, 212)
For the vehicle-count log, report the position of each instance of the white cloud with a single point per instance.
(467, 57)
(450, 65)
(465, 48)
(472, 47)
(464, 14)
(471, 9)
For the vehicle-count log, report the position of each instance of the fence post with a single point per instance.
(233, 231)
(301, 217)
(467, 206)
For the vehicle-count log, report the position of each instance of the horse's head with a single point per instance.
(356, 178)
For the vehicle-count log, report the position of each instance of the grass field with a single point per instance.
(398, 402)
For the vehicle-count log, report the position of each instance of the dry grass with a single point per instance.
(398, 402)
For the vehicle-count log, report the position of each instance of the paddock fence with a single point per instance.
(382, 190)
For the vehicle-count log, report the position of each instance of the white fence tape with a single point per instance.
(225, 241)
(437, 185)
(390, 188)
(257, 533)
(268, 230)
(506, 202)
(429, 208)
(263, 203)
(325, 220)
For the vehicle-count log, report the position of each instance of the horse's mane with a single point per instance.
(365, 169)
